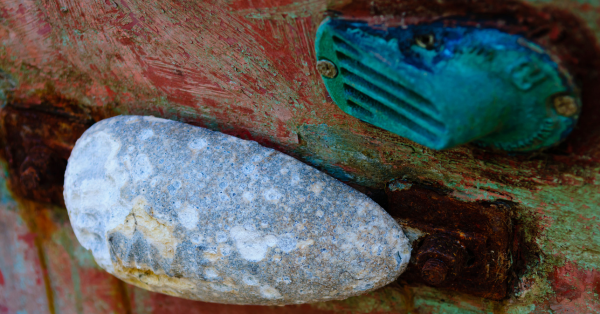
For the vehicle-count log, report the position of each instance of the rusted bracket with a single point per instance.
(37, 144)
(468, 243)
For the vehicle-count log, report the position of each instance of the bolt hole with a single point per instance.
(420, 242)
(470, 258)
(426, 41)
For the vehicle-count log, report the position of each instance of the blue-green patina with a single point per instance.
(446, 86)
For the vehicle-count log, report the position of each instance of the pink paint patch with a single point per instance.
(283, 113)
(231, 41)
(571, 283)
(28, 238)
(45, 29)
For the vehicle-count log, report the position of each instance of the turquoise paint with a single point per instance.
(399, 186)
(466, 84)
(518, 309)
(6, 197)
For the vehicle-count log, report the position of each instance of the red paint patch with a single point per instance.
(164, 304)
(587, 7)
(575, 288)
(183, 85)
(28, 238)
(1, 279)
(261, 4)
(570, 282)
(596, 285)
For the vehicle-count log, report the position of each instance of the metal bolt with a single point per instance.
(30, 178)
(565, 105)
(327, 69)
(434, 271)
(440, 258)
(35, 166)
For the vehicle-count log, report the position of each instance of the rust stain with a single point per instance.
(121, 290)
(47, 284)
(407, 294)
(29, 214)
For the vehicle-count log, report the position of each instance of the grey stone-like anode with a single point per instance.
(198, 214)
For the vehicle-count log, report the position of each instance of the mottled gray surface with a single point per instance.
(202, 215)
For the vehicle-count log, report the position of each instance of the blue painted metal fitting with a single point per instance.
(446, 86)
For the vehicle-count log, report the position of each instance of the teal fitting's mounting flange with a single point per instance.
(446, 86)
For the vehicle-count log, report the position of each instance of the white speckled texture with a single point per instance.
(198, 214)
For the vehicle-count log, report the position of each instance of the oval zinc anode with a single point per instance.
(198, 214)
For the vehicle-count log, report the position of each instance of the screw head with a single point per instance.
(30, 178)
(434, 271)
(426, 41)
(35, 167)
(440, 259)
(327, 69)
(565, 105)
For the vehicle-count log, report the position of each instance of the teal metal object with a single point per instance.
(446, 86)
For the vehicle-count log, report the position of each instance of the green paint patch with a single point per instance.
(385, 300)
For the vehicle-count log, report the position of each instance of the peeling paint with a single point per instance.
(255, 78)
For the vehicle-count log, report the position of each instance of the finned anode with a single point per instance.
(443, 86)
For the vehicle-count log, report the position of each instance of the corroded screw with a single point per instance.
(327, 69)
(434, 271)
(30, 178)
(35, 166)
(565, 105)
(440, 259)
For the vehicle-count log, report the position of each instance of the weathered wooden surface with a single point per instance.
(247, 68)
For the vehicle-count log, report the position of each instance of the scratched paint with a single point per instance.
(255, 78)
(22, 287)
